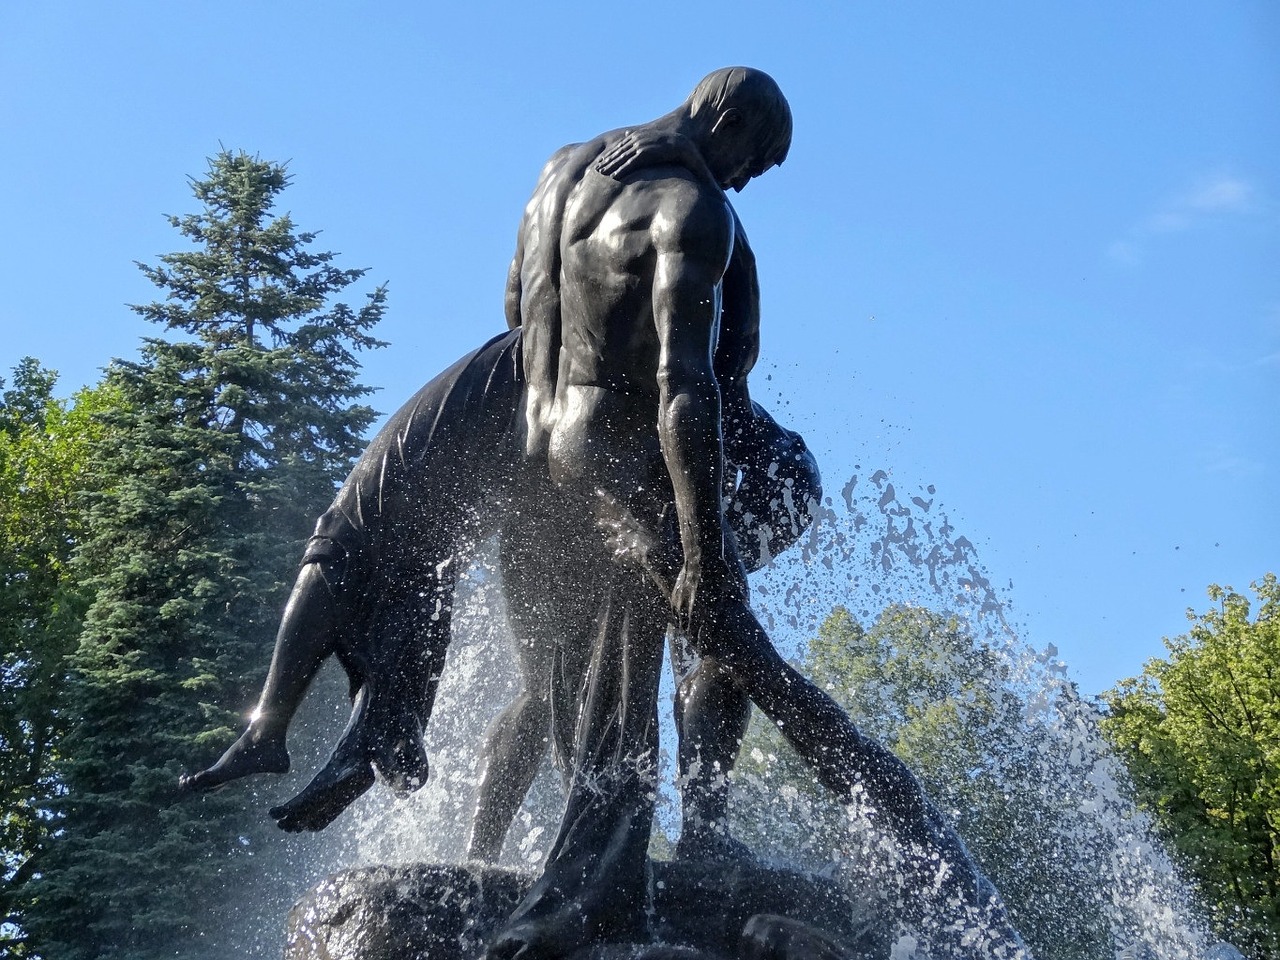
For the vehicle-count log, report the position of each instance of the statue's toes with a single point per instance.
(713, 846)
(511, 947)
(768, 936)
(287, 818)
(323, 799)
(299, 814)
(308, 820)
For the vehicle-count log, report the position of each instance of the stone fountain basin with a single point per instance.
(701, 910)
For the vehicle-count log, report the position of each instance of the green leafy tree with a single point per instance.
(952, 710)
(239, 423)
(44, 450)
(1200, 732)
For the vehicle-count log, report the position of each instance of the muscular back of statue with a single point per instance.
(621, 280)
(622, 283)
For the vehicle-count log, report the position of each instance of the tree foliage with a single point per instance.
(1200, 731)
(239, 421)
(44, 450)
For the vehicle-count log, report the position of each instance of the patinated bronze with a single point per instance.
(629, 290)
(375, 589)
(602, 437)
(770, 507)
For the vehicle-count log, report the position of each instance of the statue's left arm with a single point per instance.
(693, 237)
(738, 344)
(772, 504)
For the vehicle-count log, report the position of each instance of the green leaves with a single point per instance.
(45, 447)
(1200, 731)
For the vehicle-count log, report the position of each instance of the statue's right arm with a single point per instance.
(693, 237)
(514, 287)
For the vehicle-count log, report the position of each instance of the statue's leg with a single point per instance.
(552, 611)
(936, 868)
(407, 666)
(712, 712)
(513, 751)
(404, 643)
(401, 709)
(517, 739)
(305, 638)
(346, 775)
(595, 884)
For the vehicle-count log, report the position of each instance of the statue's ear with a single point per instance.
(730, 119)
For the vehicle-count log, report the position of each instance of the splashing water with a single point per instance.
(871, 548)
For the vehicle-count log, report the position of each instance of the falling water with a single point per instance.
(877, 547)
(873, 546)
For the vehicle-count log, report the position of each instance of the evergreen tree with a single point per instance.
(44, 445)
(240, 422)
(1200, 732)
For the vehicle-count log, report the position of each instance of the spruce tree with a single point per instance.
(241, 419)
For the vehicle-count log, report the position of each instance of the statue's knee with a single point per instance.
(332, 559)
(728, 634)
(535, 708)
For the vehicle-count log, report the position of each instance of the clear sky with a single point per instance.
(1026, 253)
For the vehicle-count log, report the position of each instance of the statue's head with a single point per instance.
(742, 124)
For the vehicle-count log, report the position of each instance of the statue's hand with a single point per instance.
(649, 147)
(627, 153)
(703, 583)
(629, 541)
(684, 595)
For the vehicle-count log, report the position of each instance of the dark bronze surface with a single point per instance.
(603, 437)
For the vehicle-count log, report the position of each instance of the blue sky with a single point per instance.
(1026, 253)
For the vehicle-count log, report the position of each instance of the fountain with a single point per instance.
(874, 545)
(612, 532)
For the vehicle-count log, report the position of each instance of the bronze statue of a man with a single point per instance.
(629, 289)
(637, 303)
(375, 589)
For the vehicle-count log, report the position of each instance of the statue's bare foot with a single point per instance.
(331, 791)
(398, 753)
(551, 926)
(550, 938)
(257, 751)
(711, 843)
(770, 937)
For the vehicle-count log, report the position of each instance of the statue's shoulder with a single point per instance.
(689, 214)
(558, 159)
(684, 193)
